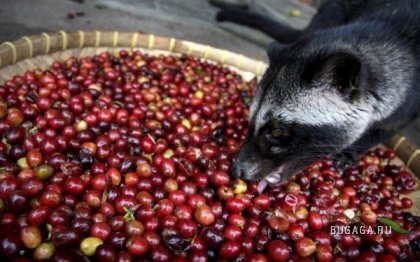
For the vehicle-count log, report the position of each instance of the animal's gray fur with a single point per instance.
(345, 83)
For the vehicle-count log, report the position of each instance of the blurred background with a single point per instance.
(184, 19)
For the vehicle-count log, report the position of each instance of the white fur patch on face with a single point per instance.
(317, 108)
(261, 116)
(255, 102)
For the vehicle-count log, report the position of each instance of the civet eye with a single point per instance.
(274, 135)
(279, 136)
(276, 132)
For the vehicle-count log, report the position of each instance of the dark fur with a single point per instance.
(355, 47)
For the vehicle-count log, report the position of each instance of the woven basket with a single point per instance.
(41, 50)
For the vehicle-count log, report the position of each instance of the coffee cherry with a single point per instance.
(127, 156)
(277, 250)
(31, 237)
(106, 253)
(137, 245)
(89, 245)
(315, 221)
(305, 247)
(10, 244)
(230, 249)
(204, 215)
(279, 224)
(369, 217)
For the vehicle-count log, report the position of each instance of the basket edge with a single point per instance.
(47, 43)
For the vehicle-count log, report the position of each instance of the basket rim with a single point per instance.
(48, 43)
(28, 47)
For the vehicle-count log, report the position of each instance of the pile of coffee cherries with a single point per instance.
(126, 157)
